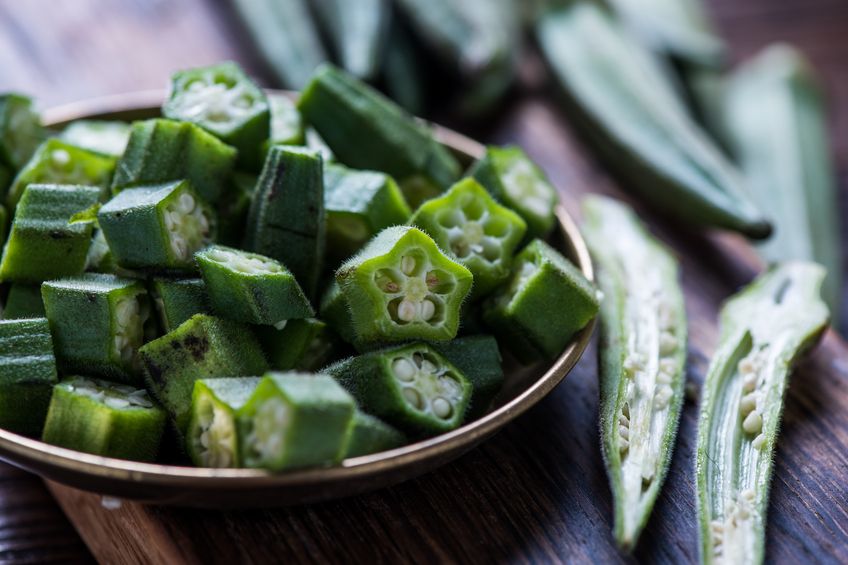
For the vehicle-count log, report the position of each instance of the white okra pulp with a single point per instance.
(111, 394)
(265, 441)
(426, 386)
(415, 291)
(130, 314)
(187, 224)
(216, 437)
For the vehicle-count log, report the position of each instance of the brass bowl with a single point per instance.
(189, 486)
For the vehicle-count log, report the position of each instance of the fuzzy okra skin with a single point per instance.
(295, 420)
(104, 418)
(764, 330)
(27, 374)
(107, 137)
(402, 286)
(20, 130)
(336, 313)
(358, 31)
(478, 357)
(642, 358)
(301, 345)
(619, 96)
(23, 301)
(369, 435)
(177, 300)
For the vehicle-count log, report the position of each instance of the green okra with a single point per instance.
(98, 323)
(514, 180)
(23, 301)
(157, 227)
(365, 130)
(544, 303)
(402, 286)
(104, 418)
(20, 130)
(618, 95)
(251, 288)
(225, 102)
(233, 210)
(357, 30)
(27, 374)
(177, 300)
(162, 151)
(412, 387)
(203, 347)
(287, 220)
(371, 435)
(107, 137)
(479, 359)
(212, 439)
(336, 313)
(295, 420)
(43, 243)
(99, 258)
(764, 329)
(481, 234)
(777, 126)
(301, 345)
(403, 76)
(314, 141)
(286, 124)
(642, 358)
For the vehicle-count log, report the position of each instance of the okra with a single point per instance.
(411, 387)
(212, 439)
(98, 323)
(23, 301)
(403, 73)
(233, 210)
(514, 180)
(543, 304)
(177, 300)
(402, 286)
(777, 126)
(366, 130)
(481, 234)
(251, 288)
(336, 313)
(287, 220)
(359, 204)
(286, 123)
(371, 435)
(225, 102)
(642, 357)
(42, 243)
(619, 96)
(295, 420)
(27, 374)
(479, 359)
(157, 227)
(307, 344)
(104, 418)
(357, 30)
(101, 136)
(162, 151)
(203, 347)
(99, 258)
(20, 130)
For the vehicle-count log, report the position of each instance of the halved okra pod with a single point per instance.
(295, 420)
(225, 102)
(301, 345)
(157, 227)
(371, 435)
(544, 303)
(479, 359)
(212, 438)
(412, 387)
(98, 323)
(481, 234)
(104, 418)
(101, 136)
(177, 300)
(642, 355)
(23, 301)
(764, 329)
(43, 244)
(401, 286)
(251, 288)
(20, 131)
(27, 374)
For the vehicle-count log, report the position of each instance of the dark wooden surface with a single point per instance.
(537, 491)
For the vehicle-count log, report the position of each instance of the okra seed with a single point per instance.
(428, 367)
(403, 369)
(746, 366)
(442, 408)
(186, 203)
(406, 310)
(428, 309)
(759, 441)
(668, 366)
(179, 247)
(413, 397)
(624, 432)
(750, 382)
(281, 325)
(663, 396)
(753, 423)
(667, 343)
(748, 403)
(116, 402)
(407, 264)
(60, 157)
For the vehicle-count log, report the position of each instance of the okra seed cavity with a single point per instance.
(426, 386)
(216, 438)
(413, 290)
(129, 316)
(112, 395)
(269, 428)
(187, 224)
(244, 264)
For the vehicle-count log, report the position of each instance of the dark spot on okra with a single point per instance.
(197, 346)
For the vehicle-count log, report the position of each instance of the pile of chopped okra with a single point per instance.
(265, 284)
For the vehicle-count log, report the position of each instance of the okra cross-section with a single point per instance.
(481, 234)
(98, 323)
(543, 304)
(251, 288)
(401, 286)
(764, 329)
(642, 359)
(157, 227)
(411, 387)
(104, 418)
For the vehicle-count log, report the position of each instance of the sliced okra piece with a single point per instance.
(203, 347)
(764, 330)
(479, 359)
(336, 313)
(177, 300)
(251, 288)
(642, 359)
(58, 162)
(316, 143)
(212, 438)
(295, 420)
(98, 323)
(103, 418)
(108, 137)
(23, 301)
(27, 374)
(481, 234)
(42, 243)
(359, 204)
(301, 345)
(371, 435)
(517, 182)
(286, 124)
(233, 209)
(99, 258)
(412, 387)
(161, 151)
(544, 303)
(225, 102)
(157, 227)
(402, 286)
(20, 130)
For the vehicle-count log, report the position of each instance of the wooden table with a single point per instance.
(537, 491)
